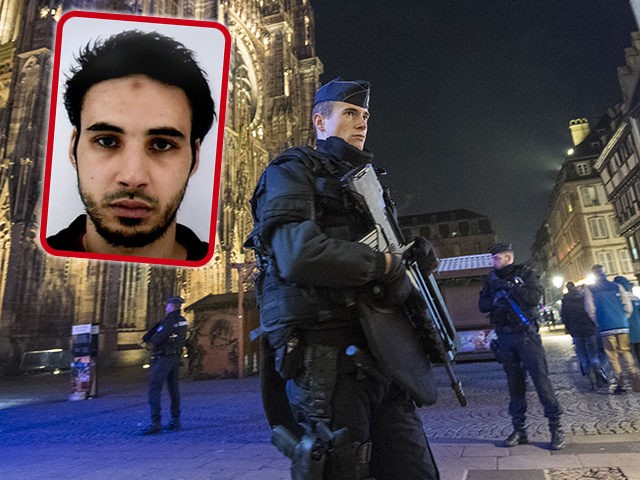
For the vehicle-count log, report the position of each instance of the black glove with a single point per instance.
(423, 254)
(499, 296)
(395, 284)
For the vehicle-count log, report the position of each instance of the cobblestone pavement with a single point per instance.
(44, 436)
(585, 412)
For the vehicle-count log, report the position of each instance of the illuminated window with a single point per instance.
(633, 248)
(625, 260)
(598, 227)
(583, 168)
(606, 260)
(589, 196)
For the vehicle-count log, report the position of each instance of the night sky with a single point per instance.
(471, 101)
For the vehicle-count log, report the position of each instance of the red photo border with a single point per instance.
(219, 147)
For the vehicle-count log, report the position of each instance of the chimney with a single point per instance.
(579, 130)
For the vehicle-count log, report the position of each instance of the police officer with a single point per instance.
(166, 339)
(510, 295)
(354, 423)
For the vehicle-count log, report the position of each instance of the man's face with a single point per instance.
(134, 158)
(502, 259)
(171, 307)
(346, 121)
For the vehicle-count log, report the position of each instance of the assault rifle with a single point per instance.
(432, 325)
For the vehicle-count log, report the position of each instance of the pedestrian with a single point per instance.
(634, 319)
(511, 295)
(347, 421)
(167, 339)
(608, 304)
(584, 332)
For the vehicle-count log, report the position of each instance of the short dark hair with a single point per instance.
(323, 108)
(152, 54)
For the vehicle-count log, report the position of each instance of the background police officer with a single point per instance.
(511, 295)
(166, 338)
(311, 270)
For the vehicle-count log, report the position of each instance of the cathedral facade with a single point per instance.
(274, 73)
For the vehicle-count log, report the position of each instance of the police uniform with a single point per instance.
(511, 295)
(311, 270)
(167, 338)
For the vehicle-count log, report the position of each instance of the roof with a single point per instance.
(211, 301)
(465, 266)
(437, 217)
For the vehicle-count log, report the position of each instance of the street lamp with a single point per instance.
(557, 281)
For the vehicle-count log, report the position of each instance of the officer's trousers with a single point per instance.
(523, 352)
(372, 411)
(164, 367)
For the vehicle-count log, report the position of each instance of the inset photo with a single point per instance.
(135, 139)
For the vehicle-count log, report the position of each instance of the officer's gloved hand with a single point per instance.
(395, 284)
(499, 296)
(422, 252)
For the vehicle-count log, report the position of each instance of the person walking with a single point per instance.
(634, 319)
(584, 332)
(608, 304)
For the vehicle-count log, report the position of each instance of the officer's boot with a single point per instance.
(558, 441)
(153, 429)
(592, 380)
(635, 382)
(173, 425)
(517, 437)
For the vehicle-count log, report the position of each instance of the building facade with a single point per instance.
(273, 75)
(581, 228)
(453, 232)
(618, 164)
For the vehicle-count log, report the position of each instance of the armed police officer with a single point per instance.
(166, 339)
(510, 295)
(342, 421)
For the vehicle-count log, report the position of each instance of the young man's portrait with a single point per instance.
(133, 170)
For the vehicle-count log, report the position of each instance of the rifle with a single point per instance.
(433, 325)
(513, 304)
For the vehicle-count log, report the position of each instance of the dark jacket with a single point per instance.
(575, 317)
(169, 335)
(305, 236)
(523, 285)
(70, 239)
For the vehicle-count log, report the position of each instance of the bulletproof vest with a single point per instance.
(504, 315)
(338, 216)
(178, 338)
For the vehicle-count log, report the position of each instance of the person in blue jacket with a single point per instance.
(608, 304)
(634, 319)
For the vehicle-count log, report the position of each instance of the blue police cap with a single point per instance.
(175, 300)
(355, 92)
(500, 247)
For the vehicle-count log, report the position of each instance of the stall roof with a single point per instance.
(464, 266)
